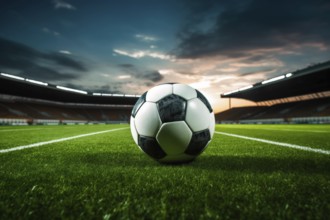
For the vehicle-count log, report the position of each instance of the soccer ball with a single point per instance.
(172, 123)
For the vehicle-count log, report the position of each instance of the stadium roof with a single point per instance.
(18, 86)
(312, 79)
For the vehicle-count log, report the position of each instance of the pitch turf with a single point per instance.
(105, 176)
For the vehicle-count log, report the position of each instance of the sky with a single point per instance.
(129, 46)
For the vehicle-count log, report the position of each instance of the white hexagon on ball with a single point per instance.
(159, 92)
(147, 121)
(198, 115)
(184, 91)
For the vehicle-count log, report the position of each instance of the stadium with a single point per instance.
(301, 96)
(265, 161)
(298, 97)
(183, 109)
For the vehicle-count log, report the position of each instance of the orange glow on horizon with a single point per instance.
(223, 104)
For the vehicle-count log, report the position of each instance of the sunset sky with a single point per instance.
(129, 46)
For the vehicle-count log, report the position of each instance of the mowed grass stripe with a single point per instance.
(57, 140)
(11, 130)
(107, 177)
(305, 148)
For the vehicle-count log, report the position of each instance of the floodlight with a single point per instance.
(288, 75)
(273, 79)
(245, 88)
(36, 82)
(12, 76)
(118, 95)
(71, 90)
(228, 93)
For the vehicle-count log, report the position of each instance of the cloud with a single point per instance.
(124, 77)
(52, 32)
(228, 69)
(144, 75)
(237, 27)
(22, 59)
(65, 52)
(126, 65)
(201, 85)
(113, 88)
(65, 61)
(144, 53)
(146, 38)
(59, 4)
(153, 76)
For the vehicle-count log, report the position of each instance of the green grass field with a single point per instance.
(105, 176)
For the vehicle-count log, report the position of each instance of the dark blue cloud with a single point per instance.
(143, 74)
(239, 27)
(45, 66)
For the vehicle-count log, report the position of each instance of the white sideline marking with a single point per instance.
(57, 140)
(305, 148)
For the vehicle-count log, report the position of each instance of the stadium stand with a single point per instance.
(23, 102)
(302, 96)
(314, 109)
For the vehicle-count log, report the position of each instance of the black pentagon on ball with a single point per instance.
(172, 108)
(204, 100)
(151, 147)
(198, 142)
(138, 104)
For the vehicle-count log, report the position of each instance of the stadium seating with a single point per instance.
(55, 113)
(309, 111)
(36, 112)
(239, 113)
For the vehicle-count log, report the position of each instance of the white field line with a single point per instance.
(57, 140)
(305, 148)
